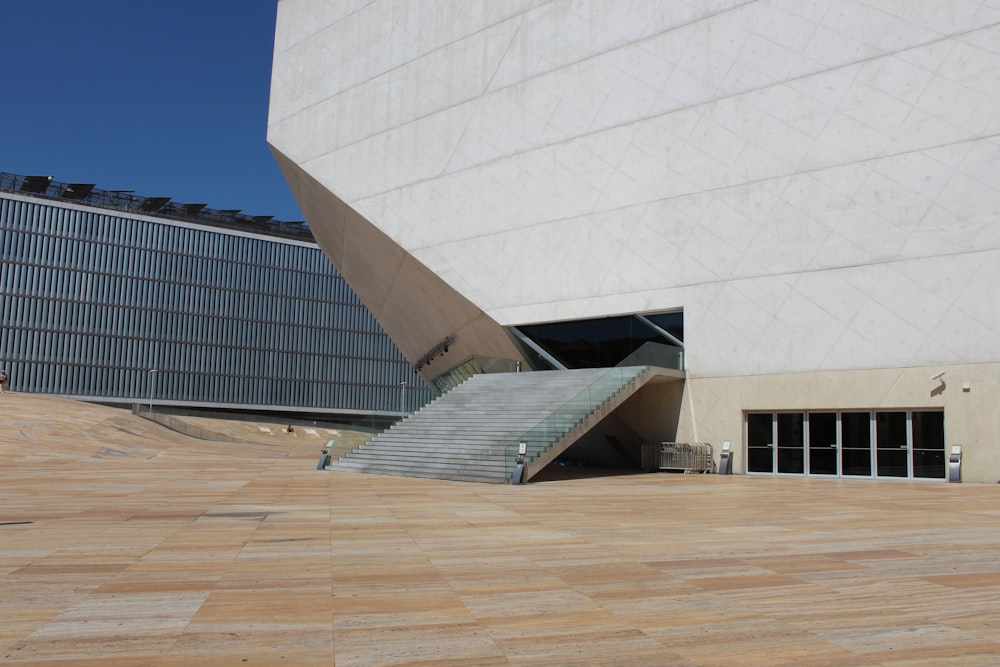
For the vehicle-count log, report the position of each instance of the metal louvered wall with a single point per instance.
(92, 300)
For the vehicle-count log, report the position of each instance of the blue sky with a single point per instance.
(164, 97)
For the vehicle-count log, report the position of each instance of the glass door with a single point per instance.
(760, 442)
(791, 442)
(908, 444)
(856, 444)
(891, 447)
(823, 443)
(928, 444)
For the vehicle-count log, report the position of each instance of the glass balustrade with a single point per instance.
(571, 414)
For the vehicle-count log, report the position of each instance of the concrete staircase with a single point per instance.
(471, 433)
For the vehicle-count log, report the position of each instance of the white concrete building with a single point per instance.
(814, 185)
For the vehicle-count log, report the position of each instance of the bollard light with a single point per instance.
(518, 476)
(726, 458)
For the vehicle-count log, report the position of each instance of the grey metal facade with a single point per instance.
(120, 307)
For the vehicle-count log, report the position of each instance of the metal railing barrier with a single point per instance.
(684, 456)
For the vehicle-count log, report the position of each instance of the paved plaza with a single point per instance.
(122, 543)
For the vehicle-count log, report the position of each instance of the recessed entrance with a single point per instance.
(906, 444)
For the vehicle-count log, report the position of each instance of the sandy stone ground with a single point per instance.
(123, 543)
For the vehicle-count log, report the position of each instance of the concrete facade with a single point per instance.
(814, 184)
(119, 306)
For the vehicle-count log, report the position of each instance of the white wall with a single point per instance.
(816, 184)
(713, 408)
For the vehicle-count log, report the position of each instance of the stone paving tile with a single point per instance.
(122, 543)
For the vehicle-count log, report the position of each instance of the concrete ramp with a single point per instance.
(472, 432)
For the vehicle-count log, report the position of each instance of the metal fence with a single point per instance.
(180, 426)
(684, 456)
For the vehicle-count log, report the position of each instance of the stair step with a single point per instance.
(446, 475)
(374, 458)
(470, 432)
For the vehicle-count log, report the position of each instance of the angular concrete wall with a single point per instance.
(409, 301)
(814, 183)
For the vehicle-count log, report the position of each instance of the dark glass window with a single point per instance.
(857, 443)
(891, 453)
(591, 343)
(597, 343)
(672, 323)
(823, 443)
(904, 443)
(928, 445)
(760, 442)
(791, 455)
(928, 430)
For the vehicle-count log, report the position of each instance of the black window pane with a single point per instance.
(791, 457)
(891, 462)
(928, 463)
(823, 461)
(760, 439)
(856, 462)
(928, 444)
(760, 459)
(890, 430)
(822, 429)
(791, 460)
(856, 442)
(759, 433)
(823, 443)
(672, 323)
(790, 429)
(928, 430)
(600, 343)
(856, 430)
